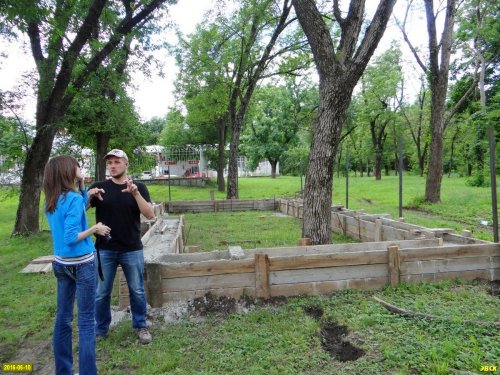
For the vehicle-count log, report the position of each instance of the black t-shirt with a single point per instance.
(119, 211)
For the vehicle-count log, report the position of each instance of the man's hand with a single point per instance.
(131, 187)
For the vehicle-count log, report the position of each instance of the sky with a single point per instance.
(154, 95)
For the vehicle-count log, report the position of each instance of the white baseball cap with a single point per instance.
(118, 153)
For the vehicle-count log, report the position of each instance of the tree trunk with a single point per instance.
(439, 57)
(377, 167)
(435, 175)
(232, 170)
(273, 163)
(27, 216)
(333, 103)
(102, 146)
(221, 160)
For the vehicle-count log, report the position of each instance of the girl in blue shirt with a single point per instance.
(74, 268)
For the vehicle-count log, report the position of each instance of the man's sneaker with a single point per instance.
(144, 335)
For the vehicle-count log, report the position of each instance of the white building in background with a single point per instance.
(190, 162)
(179, 161)
(263, 169)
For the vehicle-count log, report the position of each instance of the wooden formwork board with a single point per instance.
(455, 238)
(317, 261)
(450, 252)
(223, 205)
(207, 268)
(327, 274)
(239, 280)
(325, 287)
(391, 233)
(449, 265)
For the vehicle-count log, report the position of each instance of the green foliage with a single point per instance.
(14, 140)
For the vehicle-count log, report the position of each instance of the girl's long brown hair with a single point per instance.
(58, 178)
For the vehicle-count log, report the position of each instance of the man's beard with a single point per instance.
(119, 176)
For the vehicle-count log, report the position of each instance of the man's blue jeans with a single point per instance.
(74, 280)
(132, 263)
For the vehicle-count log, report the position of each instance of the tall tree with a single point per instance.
(437, 72)
(380, 86)
(414, 117)
(249, 69)
(340, 63)
(60, 32)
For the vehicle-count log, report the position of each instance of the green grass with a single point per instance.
(278, 339)
(250, 230)
(285, 340)
(462, 207)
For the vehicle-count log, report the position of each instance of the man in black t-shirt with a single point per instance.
(119, 202)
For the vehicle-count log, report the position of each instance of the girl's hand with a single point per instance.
(96, 192)
(101, 229)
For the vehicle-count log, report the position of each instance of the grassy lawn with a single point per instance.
(462, 207)
(282, 337)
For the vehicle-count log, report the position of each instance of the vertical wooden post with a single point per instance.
(153, 285)
(378, 230)
(212, 195)
(262, 288)
(394, 264)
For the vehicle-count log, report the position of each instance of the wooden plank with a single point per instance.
(327, 274)
(219, 267)
(461, 239)
(394, 265)
(449, 252)
(242, 280)
(391, 233)
(153, 280)
(449, 265)
(328, 260)
(377, 235)
(325, 287)
(346, 247)
(172, 259)
(358, 228)
(43, 259)
(37, 268)
(262, 275)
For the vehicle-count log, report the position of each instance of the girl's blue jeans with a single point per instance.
(80, 281)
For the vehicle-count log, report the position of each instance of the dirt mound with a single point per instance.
(314, 311)
(212, 304)
(333, 336)
(333, 341)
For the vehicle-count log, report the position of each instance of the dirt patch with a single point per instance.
(491, 287)
(334, 336)
(212, 304)
(333, 341)
(40, 355)
(314, 311)
(223, 306)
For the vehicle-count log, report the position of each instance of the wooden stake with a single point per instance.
(394, 264)
(262, 288)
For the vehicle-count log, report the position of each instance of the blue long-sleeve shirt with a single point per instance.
(67, 220)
